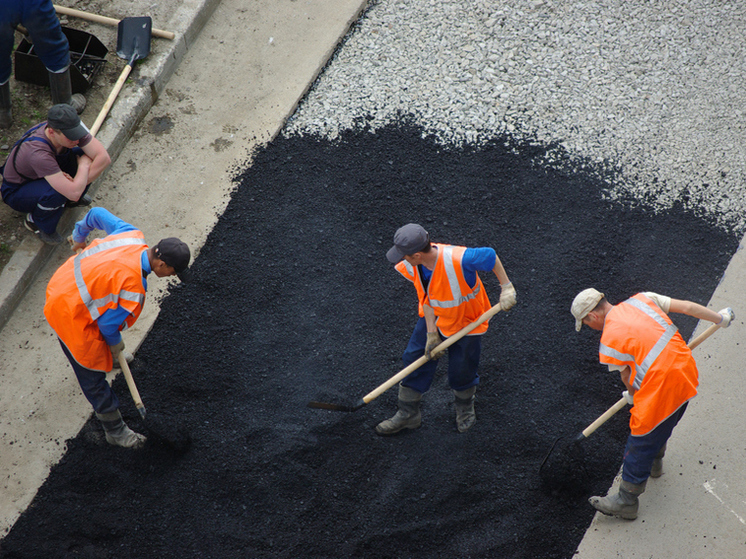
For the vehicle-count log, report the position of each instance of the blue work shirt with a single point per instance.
(475, 260)
(112, 320)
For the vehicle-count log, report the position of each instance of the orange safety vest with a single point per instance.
(455, 303)
(637, 333)
(106, 274)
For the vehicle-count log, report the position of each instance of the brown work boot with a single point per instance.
(407, 417)
(117, 432)
(465, 416)
(623, 504)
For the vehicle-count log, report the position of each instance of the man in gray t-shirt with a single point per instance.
(50, 168)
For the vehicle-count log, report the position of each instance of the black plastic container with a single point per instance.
(87, 57)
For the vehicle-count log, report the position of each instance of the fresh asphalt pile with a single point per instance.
(294, 301)
(554, 132)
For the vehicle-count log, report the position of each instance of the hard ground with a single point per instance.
(295, 301)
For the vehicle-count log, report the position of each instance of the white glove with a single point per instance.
(433, 341)
(629, 397)
(507, 296)
(728, 315)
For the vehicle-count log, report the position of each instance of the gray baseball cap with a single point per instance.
(407, 240)
(63, 117)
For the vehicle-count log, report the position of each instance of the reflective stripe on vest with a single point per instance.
(641, 369)
(466, 304)
(453, 282)
(94, 306)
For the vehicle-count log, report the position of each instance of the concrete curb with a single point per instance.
(128, 111)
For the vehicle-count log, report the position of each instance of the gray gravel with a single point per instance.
(653, 90)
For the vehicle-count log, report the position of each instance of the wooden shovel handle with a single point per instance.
(107, 20)
(448, 342)
(110, 100)
(131, 383)
(623, 401)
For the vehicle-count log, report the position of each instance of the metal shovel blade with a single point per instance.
(133, 38)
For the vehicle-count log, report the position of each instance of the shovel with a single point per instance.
(133, 43)
(448, 342)
(621, 403)
(131, 384)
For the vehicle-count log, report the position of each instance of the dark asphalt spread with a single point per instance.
(294, 300)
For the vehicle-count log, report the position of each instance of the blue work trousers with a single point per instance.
(642, 450)
(95, 386)
(463, 361)
(40, 18)
(38, 198)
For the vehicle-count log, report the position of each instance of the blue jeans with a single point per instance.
(95, 387)
(641, 451)
(463, 361)
(40, 18)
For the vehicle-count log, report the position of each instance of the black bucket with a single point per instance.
(87, 57)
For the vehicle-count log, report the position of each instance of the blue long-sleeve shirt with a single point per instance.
(111, 321)
(475, 260)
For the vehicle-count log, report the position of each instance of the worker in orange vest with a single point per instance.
(451, 296)
(639, 340)
(97, 294)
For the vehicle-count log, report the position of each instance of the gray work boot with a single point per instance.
(117, 432)
(62, 92)
(623, 504)
(465, 416)
(657, 469)
(407, 417)
(6, 115)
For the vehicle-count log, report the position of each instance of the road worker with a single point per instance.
(451, 296)
(98, 293)
(639, 340)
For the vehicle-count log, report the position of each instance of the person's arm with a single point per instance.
(101, 219)
(110, 324)
(695, 309)
(429, 318)
(71, 188)
(100, 158)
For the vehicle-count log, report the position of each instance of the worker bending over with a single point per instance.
(97, 294)
(451, 296)
(639, 340)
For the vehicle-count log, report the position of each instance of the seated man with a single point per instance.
(50, 168)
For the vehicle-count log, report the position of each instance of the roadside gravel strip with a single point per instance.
(654, 92)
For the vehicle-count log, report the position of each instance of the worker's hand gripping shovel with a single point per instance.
(410, 368)
(622, 402)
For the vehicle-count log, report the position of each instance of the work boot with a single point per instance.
(623, 504)
(407, 417)
(117, 432)
(62, 91)
(465, 416)
(657, 469)
(6, 116)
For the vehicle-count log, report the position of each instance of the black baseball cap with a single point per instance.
(176, 254)
(63, 117)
